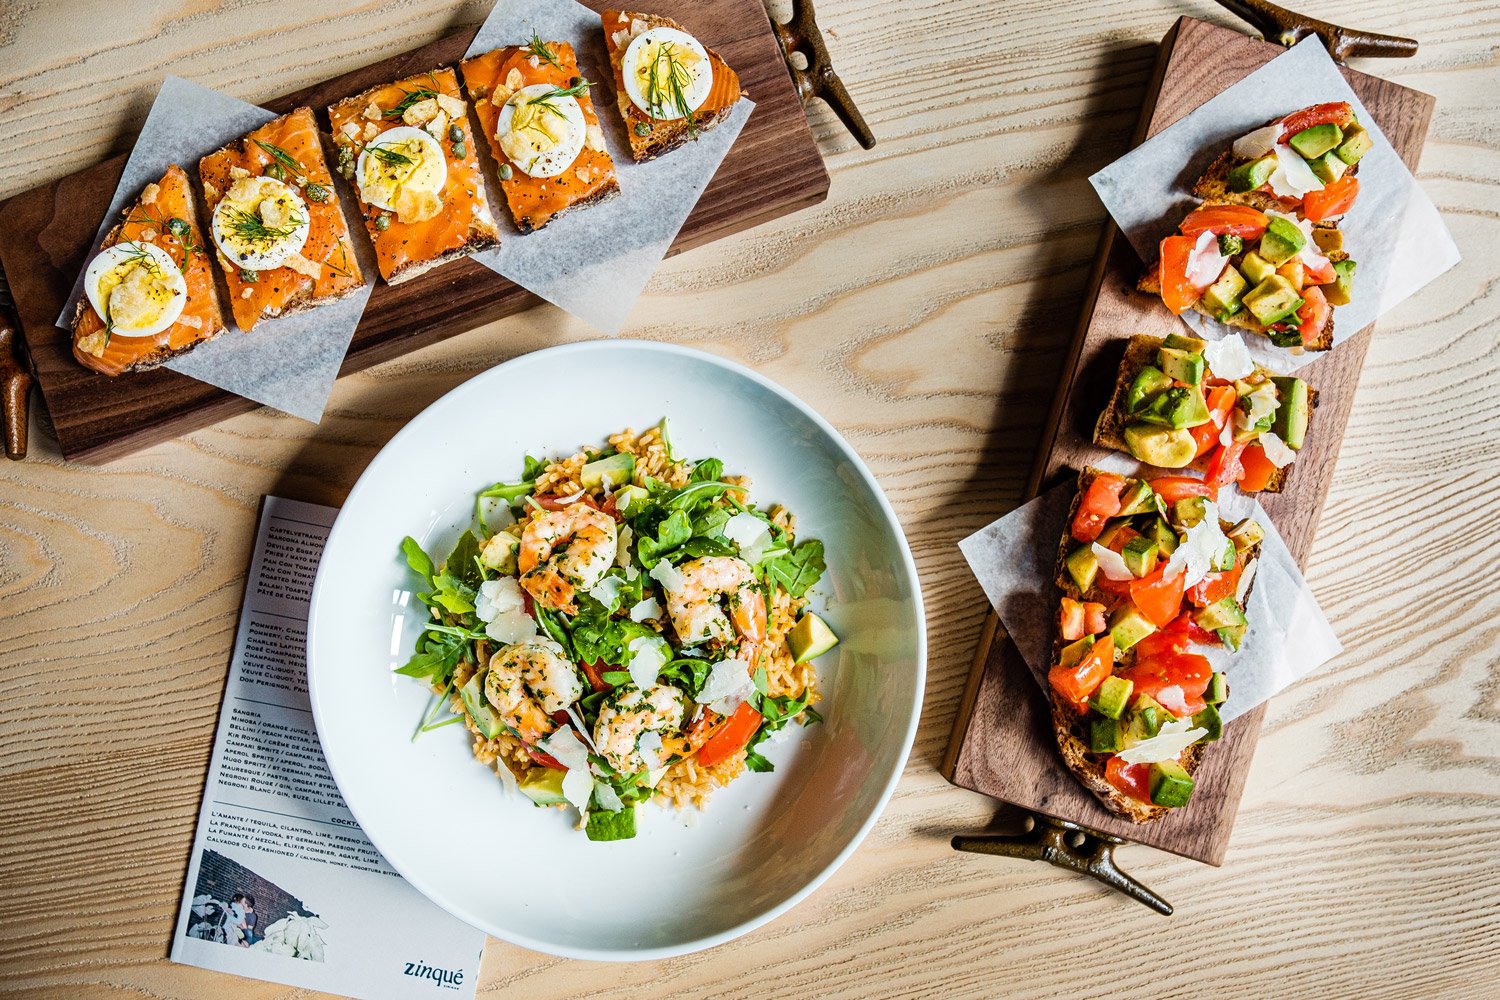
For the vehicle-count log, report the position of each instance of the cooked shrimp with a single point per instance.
(564, 551)
(527, 682)
(697, 616)
(629, 714)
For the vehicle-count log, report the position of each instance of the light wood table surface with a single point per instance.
(924, 310)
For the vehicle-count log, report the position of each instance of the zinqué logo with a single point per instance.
(446, 978)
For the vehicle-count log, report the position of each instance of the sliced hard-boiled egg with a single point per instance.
(403, 170)
(541, 130)
(260, 222)
(667, 73)
(136, 288)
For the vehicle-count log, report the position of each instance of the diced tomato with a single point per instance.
(544, 759)
(1174, 488)
(1189, 630)
(1070, 619)
(1157, 596)
(1313, 314)
(1215, 587)
(1121, 538)
(1224, 468)
(1258, 469)
(1337, 112)
(1336, 198)
(1077, 682)
(527, 604)
(1221, 400)
(731, 737)
(1101, 501)
(1093, 618)
(1320, 273)
(608, 507)
(1295, 272)
(1224, 220)
(1177, 291)
(1132, 779)
(595, 674)
(1118, 587)
(1174, 679)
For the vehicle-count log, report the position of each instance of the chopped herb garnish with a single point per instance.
(248, 227)
(545, 100)
(413, 97)
(285, 160)
(178, 227)
(389, 156)
(662, 88)
(538, 48)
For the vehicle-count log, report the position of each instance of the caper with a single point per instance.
(274, 170)
(456, 132)
(383, 223)
(642, 128)
(316, 193)
(460, 150)
(178, 227)
(505, 172)
(248, 276)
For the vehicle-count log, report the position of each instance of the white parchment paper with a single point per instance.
(1288, 638)
(1393, 231)
(595, 262)
(288, 363)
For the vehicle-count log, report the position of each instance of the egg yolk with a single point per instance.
(136, 295)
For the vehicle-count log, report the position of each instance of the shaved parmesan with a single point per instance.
(607, 591)
(1203, 543)
(607, 798)
(1247, 575)
(750, 534)
(1277, 452)
(649, 747)
(496, 596)
(622, 549)
(1228, 358)
(582, 730)
(1112, 564)
(1173, 700)
(1174, 737)
(1226, 436)
(668, 576)
(564, 747)
(646, 610)
(1292, 177)
(1205, 263)
(648, 654)
(1257, 143)
(511, 627)
(727, 687)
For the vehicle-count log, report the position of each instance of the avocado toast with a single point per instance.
(1147, 571)
(1185, 403)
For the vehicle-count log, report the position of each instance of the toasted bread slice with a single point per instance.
(1068, 725)
(496, 77)
(409, 245)
(325, 269)
(151, 218)
(1109, 431)
(1150, 283)
(651, 137)
(1213, 188)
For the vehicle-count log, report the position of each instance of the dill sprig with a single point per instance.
(342, 267)
(414, 97)
(252, 229)
(545, 100)
(389, 156)
(286, 160)
(660, 89)
(538, 48)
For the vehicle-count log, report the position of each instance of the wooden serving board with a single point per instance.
(773, 168)
(1002, 743)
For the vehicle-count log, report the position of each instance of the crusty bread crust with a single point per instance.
(1151, 285)
(1213, 187)
(599, 197)
(665, 136)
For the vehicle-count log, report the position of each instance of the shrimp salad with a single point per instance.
(618, 626)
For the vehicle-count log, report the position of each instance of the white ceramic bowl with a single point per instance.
(522, 873)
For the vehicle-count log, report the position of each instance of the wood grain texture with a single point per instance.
(1002, 739)
(926, 310)
(46, 233)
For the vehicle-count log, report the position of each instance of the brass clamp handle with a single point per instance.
(1287, 27)
(801, 36)
(1067, 845)
(15, 384)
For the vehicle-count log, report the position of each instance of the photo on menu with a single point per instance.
(232, 905)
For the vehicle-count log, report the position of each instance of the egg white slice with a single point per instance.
(161, 280)
(647, 46)
(380, 182)
(276, 206)
(550, 162)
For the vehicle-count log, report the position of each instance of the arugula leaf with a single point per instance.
(670, 534)
(615, 677)
(698, 547)
(707, 471)
(533, 467)
(462, 561)
(756, 762)
(511, 492)
(552, 624)
(451, 594)
(799, 569)
(418, 560)
(695, 494)
(598, 637)
(436, 656)
(688, 673)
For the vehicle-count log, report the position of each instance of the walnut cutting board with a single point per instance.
(1002, 743)
(773, 168)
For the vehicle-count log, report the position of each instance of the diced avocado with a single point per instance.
(1189, 511)
(1272, 300)
(604, 825)
(1257, 404)
(1231, 245)
(1256, 268)
(1075, 651)
(1282, 241)
(1231, 636)
(543, 785)
(617, 468)
(1220, 614)
(1128, 626)
(1182, 342)
(499, 552)
(1160, 532)
(1147, 383)
(1328, 239)
(1182, 365)
(1140, 556)
(1340, 292)
(1247, 534)
(1178, 407)
(1112, 527)
(1328, 167)
(809, 638)
(1223, 296)
(1136, 498)
(1146, 718)
(1164, 447)
(1356, 144)
(1314, 142)
(627, 497)
(1170, 784)
(1290, 422)
(1218, 688)
(1083, 566)
(1252, 174)
(1209, 719)
(1105, 735)
(1224, 562)
(478, 708)
(1111, 697)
